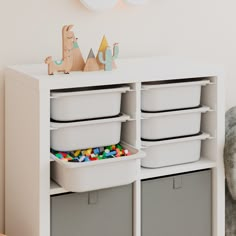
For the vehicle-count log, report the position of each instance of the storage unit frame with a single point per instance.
(28, 186)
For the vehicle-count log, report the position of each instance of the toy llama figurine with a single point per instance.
(65, 65)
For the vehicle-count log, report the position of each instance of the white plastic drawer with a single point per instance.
(171, 96)
(171, 124)
(86, 104)
(173, 151)
(86, 134)
(88, 176)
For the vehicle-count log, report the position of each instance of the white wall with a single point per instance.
(203, 29)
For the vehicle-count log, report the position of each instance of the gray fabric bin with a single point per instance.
(104, 212)
(178, 205)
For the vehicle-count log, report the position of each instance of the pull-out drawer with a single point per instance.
(177, 205)
(104, 212)
(100, 174)
(162, 125)
(70, 136)
(86, 103)
(173, 151)
(171, 95)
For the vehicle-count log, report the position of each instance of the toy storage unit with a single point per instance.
(168, 112)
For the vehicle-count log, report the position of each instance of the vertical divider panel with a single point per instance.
(213, 123)
(209, 119)
(218, 172)
(137, 184)
(131, 106)
(129, 101)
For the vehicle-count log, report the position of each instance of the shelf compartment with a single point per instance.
(173, 151)
(159, 96)
(86, 103)
(171, 124)
(88, 176)
(86, 134)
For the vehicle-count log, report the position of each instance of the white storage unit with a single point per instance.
(90, 176)
(172, 124)
(172, 151)
(29, 94)
(86, 134)
(88, 103)
(159, 96)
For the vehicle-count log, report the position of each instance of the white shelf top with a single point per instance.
(128, 71)
(147, 173)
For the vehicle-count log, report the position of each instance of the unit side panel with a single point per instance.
(218, 172)
(24, 176)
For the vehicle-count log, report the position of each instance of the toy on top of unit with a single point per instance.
(92, 154)
(109, 57)
(91, 62)
(65, 65)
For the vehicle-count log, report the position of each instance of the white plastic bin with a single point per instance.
(173, 151)
(171, 96)
(171, 124)
(88, 176)
(86, 134)
(79, 104)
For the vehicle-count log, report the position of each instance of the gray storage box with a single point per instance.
(179, 205)
(103, 213)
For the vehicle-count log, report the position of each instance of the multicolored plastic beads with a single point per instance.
(93, 154)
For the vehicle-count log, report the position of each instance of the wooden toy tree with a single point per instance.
(102, 49)
(78, 60)
(107, 58)
(91, 63)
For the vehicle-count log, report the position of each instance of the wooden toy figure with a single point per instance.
(109, 57)
(78, 60)
(65, 65)
(102, 48)
(91, 63)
